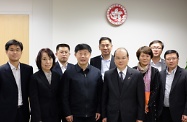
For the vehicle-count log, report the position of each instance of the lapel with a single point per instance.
(43, 78)
(176, 77)
(163, 79)
(112, 64)
(127, 79)
(115, 81)
(98, 62)
(10, 75)
(58, 69)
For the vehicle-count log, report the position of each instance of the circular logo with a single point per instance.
(116, 14)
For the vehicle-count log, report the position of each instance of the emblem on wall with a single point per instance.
(116, 14)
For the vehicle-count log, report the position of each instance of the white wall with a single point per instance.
(83, 21)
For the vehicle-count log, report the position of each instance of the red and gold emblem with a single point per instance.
(116, 14)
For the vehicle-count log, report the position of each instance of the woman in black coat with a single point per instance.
(152, 83)
(44, 89)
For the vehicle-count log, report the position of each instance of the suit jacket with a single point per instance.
(96, 62)
(44, 97)
(178, 93)
(9, 92)
(163, 64)
(58, 69)
(130, 103)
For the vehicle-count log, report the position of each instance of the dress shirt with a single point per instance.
(105, 65)
(169, 81)
(48, 76)
(17, 76)
(123, 72)
(158, 65)
(63, 68)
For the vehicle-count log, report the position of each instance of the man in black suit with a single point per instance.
(62, 54)
(123, 98)
(174, 90)
(14, 85)
(105, 61)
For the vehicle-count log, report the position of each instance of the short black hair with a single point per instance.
(104, 38)
(171, 51)
(83, 47)
(13, 42)
(39, 57)
(62, 45)
(157, 41)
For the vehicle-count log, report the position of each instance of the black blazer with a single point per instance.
(178, 93)
(44, 97)
(154, 103)
(9, 92)
(57, 68)
(96, 62)
(130, 103)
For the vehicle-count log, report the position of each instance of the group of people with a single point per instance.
(105, 89)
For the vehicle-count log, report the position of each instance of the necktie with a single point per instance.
(121, 76)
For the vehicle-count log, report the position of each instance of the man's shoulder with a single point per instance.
(96, 57)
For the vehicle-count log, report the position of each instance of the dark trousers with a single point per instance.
(119, 118)
(166, 116)
(20, 115)
(84, 119)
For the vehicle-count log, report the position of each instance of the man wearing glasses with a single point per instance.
(174, 90)
(157, 47)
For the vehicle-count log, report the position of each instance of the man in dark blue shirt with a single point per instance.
(82, 86)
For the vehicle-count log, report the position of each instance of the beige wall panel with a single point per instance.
(14, 27)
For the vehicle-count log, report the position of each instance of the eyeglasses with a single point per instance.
(156, 48)
(172, 58)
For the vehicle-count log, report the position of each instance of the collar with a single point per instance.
(172, 72)
(13, 67)
(79, 69)
(124, 71)
(108, 59)
(159, 61)
(61, 64)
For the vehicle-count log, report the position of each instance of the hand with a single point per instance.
(146, 109)
(69, 118)
(184, 118)
(97, 116)
(139, 121)
(104, 120)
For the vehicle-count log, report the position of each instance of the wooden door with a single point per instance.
(14, 27)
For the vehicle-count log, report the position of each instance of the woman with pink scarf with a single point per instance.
(151, 80)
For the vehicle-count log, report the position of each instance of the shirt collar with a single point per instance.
(13, 67)
(62, 65)
(159, 61)
(106, 60)
(79, 69)
(124, 71)
(172, 72)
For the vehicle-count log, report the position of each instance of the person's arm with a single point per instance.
(140, 98)
(34, 100)
(65, 94)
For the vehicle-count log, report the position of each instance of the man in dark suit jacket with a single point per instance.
(14, 85)
(123, 98)
(174, 90)
(105, 61)
(62, 54)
